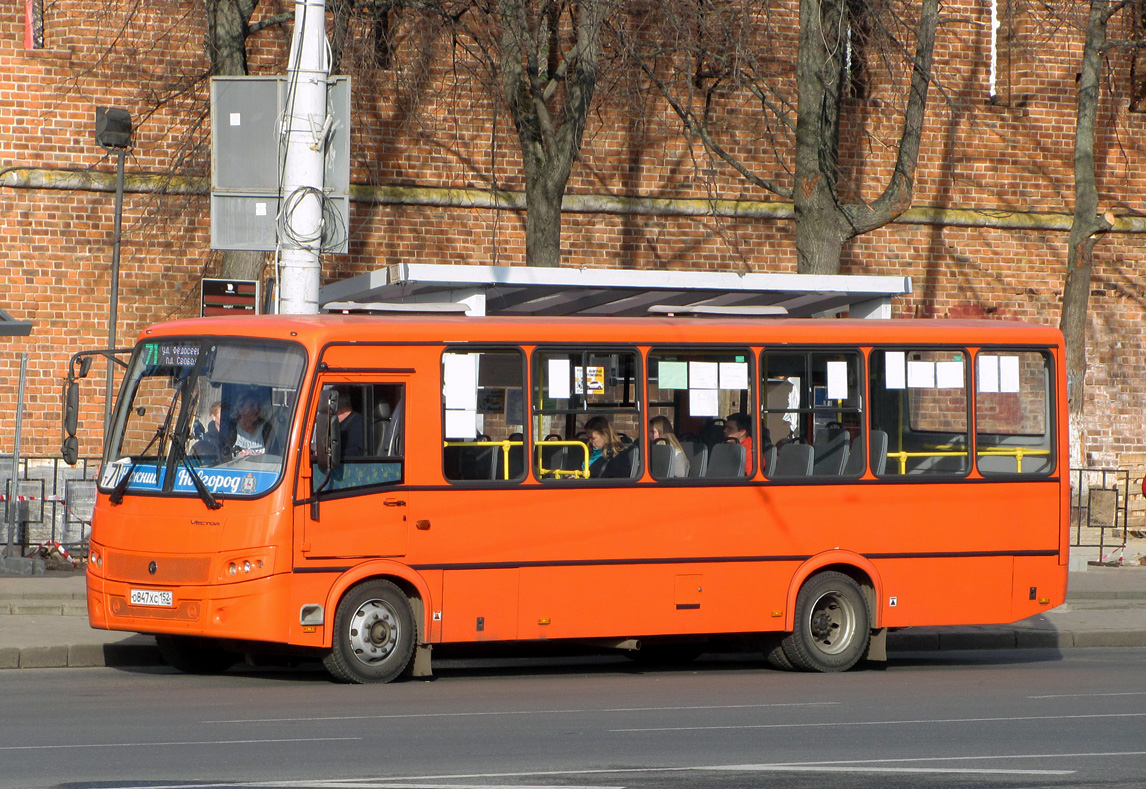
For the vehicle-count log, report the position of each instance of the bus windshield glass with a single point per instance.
(203, 416)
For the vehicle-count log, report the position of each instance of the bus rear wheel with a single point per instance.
(832, 626)
(374, 635)
(193, 655)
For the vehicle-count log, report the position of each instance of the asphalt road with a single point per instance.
(1001, 719)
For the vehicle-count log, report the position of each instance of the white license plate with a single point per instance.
(151, 597)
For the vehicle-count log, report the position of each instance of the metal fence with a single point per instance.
(1099, 511)
(53, 501)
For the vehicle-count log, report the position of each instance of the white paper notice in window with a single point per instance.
(559, 379)
(734, 375)
(988, 374)
(704, 402)
(920, 375)
(461, 424)
(1008, 373)
(895, 366)
(703, 375)
(949, 375)
(460, 373)
(837, 380)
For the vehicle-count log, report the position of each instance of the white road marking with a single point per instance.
(923, 721)
(1088, 695)
(454, 781)
(399, 716)
(172, 743)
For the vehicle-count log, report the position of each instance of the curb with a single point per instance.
(134, 652)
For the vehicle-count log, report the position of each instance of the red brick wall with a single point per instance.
(450, 131)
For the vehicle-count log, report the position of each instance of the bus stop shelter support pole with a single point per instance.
(11, 563)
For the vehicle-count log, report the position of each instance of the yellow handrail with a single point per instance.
(1018, 453)
(903, 456)
(505, 447)
(579, 473)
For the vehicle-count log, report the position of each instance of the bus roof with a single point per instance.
(318, 330)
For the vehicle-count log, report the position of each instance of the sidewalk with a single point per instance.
(43, 623)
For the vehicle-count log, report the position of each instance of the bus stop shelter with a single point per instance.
(520, 290)
(10, 327)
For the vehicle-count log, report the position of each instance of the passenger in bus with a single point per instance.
(660, 427)
(350, 425)
(739, 427)
(250, 433)
(607, 452)
(208, 444)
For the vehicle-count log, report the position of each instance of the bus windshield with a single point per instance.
(203, 416)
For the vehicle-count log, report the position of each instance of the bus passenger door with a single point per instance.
(359, 509)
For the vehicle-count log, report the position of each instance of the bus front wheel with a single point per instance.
(374, 635)
(832, 625)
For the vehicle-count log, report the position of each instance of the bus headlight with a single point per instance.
(245, 566)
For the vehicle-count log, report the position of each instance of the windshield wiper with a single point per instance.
(179, 440)
(116, 496)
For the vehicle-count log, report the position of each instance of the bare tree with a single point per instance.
(1089, 222)
(726, 52)
(548, 54)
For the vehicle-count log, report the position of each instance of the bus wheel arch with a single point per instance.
(415, 588)
(374, 635)
(853, 565)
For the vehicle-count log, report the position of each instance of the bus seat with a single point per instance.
(660, 459)
(853, 466)
(697, 454)
(770, 460)
(878, 452)
(795, 460)
(726, 459)
(470, 462)
(663, 459)
(830, 452)
(626, 463)
(381, 427)
(712, 432)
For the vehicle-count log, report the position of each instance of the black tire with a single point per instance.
(374, 635)
(193, 655)
(832, 625)
(773, 647)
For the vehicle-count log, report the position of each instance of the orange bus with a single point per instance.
(362, 488)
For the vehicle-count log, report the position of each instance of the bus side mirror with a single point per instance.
(71, 447)
(70, 450)
(71, 407)
(325, 443)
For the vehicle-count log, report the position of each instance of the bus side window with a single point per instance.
(371, 426)
(700, 414)
(919, 399)
(586, 415)
(483, 415)
(813, 413)
(1013, 412)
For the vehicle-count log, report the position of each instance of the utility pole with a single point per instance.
(306, 127)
